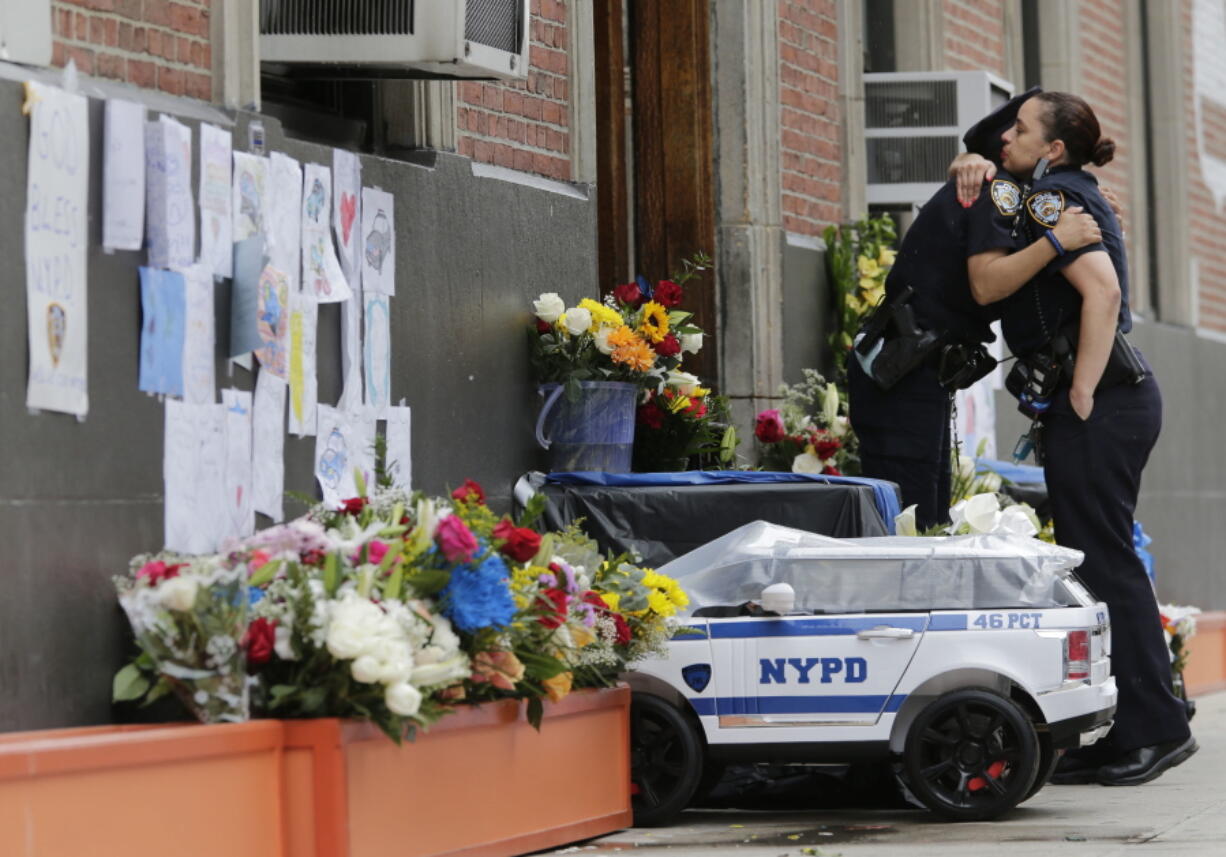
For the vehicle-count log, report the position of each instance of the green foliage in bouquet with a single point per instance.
(683, 427)
(859, 255)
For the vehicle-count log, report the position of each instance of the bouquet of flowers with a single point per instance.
(1178, 626)
(392, 608)
(809, 432)
(858, 256)
(682, 424)
(636, 334)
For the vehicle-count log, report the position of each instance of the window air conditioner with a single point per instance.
(25, 32)
(398, 38)
(914, 122)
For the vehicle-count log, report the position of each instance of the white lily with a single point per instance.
(904, 522)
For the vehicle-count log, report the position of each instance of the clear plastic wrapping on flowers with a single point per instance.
(888, 573)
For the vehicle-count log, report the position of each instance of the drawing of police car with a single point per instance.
(971, 662)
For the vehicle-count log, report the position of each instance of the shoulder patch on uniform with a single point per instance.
(1007, 196)
(1045, 206)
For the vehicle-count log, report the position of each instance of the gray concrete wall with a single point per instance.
(806, 307)
(77, 500)
(1183, 492)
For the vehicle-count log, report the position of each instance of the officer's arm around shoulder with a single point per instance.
(1093, 275)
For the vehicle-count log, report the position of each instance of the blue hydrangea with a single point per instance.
(480, 597)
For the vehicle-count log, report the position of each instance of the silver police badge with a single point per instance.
(1007, 196)
(1045, 206)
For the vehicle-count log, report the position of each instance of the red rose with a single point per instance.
(543, 326)
(519, 543)
(769, 427)
(831, 470)
(469, 492)
(667, 293)
(826, 447)
(669, 346)
(314, 557)
(260, 641)
(628, 293)
(157, 571)
(697, 409)
(650, 415)
(623, 630)
(555, 601)
(353, 506)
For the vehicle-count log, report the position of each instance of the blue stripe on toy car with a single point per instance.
(798, 704)
(772, 627)
(948, 622)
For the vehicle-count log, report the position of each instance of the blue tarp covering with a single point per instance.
(1022, 474)
(884, 494)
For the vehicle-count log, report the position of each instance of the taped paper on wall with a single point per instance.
(284, 227)
(399, 462)
(216, 221)
(346, 220)
(123, 176)
(378, 242)
(345, 442)
(193, 461)
(303, 383)
(170, 217)
(268, 446)
(248, 195)
(273, 322)
(245, 296)
(377, 359)
(321, 272)
(163, 327)
(239, 517)
(199, 341)
(57, 196)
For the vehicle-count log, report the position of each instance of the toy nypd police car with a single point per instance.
(970, 661)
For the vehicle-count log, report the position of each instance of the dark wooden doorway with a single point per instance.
(662, 173)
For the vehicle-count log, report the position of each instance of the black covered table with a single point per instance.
(663, 521)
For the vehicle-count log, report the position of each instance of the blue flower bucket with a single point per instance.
(596, 432)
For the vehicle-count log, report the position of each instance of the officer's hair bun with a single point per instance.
(1104, 151)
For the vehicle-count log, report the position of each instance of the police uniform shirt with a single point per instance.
(932, 261)
(1001, 219)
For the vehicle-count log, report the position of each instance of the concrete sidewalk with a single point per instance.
(1181, 813)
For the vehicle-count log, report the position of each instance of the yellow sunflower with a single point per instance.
(654, 322)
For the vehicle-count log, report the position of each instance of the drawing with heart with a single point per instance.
(349, 210)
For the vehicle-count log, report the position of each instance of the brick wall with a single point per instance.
(974, 35)
(1104, 85)
(1206, 221)
(810, 149)
(524, 125)
(158, 44)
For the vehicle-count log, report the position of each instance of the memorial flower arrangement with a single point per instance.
(683, 425)
(636, 334)
(1178, 626)
(858, 257)
(393, 608)
(809, 432)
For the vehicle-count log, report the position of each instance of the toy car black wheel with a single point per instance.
(665, 760)
(1048, 757)
(971, 755)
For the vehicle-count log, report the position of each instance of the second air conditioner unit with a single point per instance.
(479, 39)
(914, 122)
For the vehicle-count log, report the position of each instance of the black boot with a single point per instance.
(1146, 763)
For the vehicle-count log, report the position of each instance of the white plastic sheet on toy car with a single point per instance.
(876, 574)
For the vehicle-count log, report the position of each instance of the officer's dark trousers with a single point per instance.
(904, 437)
(1093, 475)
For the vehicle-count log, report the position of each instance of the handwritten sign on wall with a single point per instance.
(123, 176)
(57, 188)
(170, 215)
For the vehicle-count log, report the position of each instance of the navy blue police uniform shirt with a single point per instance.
(1048, 303)
(932, 261)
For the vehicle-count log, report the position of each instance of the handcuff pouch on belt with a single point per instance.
(1035, 378)
(890, 345)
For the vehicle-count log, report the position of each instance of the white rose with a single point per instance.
(548, 307)
(839, 427)
(904, 522)
(691, 343)
(350, 631)
(806, 462)
(578, 320)
(684, 382)
(283, 645)
(428, 675)
(602, 340)
(178, 593)
(366, 668)
(403, 699)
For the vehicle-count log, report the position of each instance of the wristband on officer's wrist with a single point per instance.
(1055, 242)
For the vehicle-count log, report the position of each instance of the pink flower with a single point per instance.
(375, 551)
(157, 571)
(769, 426)
(470, 492)
(455, 540)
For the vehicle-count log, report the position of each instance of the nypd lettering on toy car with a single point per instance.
(1007, 621)
(845, 670)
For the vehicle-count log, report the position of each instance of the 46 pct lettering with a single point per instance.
(775, 670)
(997, 621)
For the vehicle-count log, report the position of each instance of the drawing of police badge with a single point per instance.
(1007, 196)
(1045, 206)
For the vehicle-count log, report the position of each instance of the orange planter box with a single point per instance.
(480, 783)
(1206, 670)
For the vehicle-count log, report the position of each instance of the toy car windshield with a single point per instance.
(878, 574)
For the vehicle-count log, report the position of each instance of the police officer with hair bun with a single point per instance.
(926, 340)
(1096, 406)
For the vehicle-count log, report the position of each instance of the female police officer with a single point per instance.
(899, 400)
(1099, 416)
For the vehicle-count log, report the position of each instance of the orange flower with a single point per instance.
(558, 686)
(622, 336)
(637, 355)
(501, 669)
